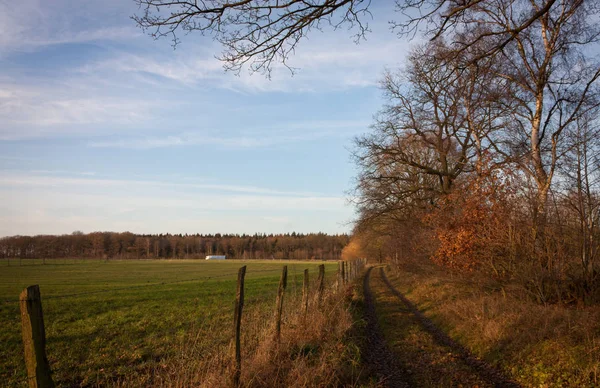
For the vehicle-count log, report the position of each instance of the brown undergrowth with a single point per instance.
(537, 346)
(316, 349)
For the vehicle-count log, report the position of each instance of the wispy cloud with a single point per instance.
(285, 133)
(325, 64)
(32, 204)
(75, 111)
(79, 73)
(118, 204)
(47, 110)
(39, 179)
(63, 172)
(34, 24)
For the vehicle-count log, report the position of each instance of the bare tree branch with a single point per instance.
(256, 33)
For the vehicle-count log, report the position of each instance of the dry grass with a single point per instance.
(314, 351)
(538, 346)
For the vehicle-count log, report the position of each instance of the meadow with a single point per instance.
(133, 322)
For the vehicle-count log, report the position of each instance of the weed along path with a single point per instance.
(408, 349)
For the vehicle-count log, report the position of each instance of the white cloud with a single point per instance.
(326, 63)
(32, 204)
(39, 181)
(285, 133)
(63, 172)
(125, 91)
(114, 204)
(30, 111)
(31, 24)
(133, 88)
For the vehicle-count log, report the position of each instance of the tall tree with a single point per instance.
(438, 121)
(552, 82)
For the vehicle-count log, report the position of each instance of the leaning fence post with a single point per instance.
(321, 283)
(305, 293)
(237, 322)
(279, 304)
(34, 338)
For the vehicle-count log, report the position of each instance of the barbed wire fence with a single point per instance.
(343, 276)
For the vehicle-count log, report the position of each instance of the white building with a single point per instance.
(213, 257)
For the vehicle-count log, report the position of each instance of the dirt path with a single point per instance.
(378, 357)
(422, 354)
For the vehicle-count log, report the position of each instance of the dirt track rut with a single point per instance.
(384, 363)
(378, 356)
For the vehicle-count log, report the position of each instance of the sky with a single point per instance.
(103, 128)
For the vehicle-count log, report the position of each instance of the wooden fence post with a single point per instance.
(349, 271)
(279, 304)
(321, 283)
(237, 323)
(34, 338)
(305, 293)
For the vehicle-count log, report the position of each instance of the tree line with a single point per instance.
(486, 155)
(111, 245)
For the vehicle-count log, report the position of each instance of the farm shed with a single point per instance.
(213, 257)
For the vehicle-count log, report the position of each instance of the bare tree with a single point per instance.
(438, 123)
(440, 17)
(552, 82)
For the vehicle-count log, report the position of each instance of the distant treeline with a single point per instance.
(133, 246)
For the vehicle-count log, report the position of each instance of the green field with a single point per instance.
(115, 321)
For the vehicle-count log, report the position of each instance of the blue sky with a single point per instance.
(103, 128)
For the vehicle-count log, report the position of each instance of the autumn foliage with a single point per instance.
(471, 224)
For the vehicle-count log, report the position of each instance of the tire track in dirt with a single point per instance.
(484, 370)
(379, 358)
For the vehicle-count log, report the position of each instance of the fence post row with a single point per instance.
(34, 338)
(237, 323)
(279, 304)
(349, 270)
(34, 335)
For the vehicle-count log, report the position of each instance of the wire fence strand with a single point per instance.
(275, 272)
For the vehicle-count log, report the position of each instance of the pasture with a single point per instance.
(124, 322)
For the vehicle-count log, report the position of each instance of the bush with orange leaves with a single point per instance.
(474, 224)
